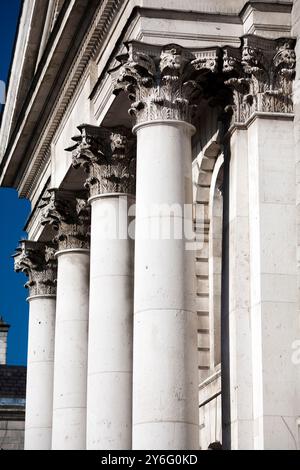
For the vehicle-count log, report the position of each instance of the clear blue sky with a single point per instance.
(14, 212)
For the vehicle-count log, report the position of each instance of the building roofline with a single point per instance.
(12, 55)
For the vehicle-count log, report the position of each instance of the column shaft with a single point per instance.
(39, 393)
(70, 365)
(274, 319)
(239, 334)
(109, 404)
(165, 373)
(107, 156)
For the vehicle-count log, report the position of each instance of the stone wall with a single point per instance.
(11, 432)
(296, 34)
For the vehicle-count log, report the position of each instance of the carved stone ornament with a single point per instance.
(260, 73)
(165, 82)
(37, 260)
(69, 216)
(108, 157)
(169, 82)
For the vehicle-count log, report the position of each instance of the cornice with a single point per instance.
(37, 153)
(32, 79)
(23, 64)
(100, 24)
(78, 13)
(142, 12)
(253, 117)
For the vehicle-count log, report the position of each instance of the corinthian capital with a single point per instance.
(164, 82)
(69, 215)
(37, 261)
(108, 157)
(261, 74)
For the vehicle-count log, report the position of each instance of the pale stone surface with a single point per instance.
(40, 367)
(210, 411)
(296, 32)
(263, 227)
(273, 284)
(3, 341)
(71, 342)
(108, 158)
(61, 160)
(165, 410)
(241, 391)
(12, 435)
(109, 395)
(215, 263)
(36, 260)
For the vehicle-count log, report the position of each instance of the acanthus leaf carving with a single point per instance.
(69, 215)
(261, 74)
(163, 83)
(108, 157)
(166, 83)
(38, 262)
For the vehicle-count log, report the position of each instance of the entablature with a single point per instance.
(37, 151)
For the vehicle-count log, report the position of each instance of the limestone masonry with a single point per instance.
(159, 145)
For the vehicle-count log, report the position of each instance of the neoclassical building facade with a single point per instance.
(158, 143)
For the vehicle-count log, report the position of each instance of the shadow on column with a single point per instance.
(225, 339)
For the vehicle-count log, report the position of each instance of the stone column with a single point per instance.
(237, 376)
(69, 216)
(268, 314)
(240, 423)
(296, 99)
(107, 157)
(4, 327)
(37, 261)
(162, 84)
